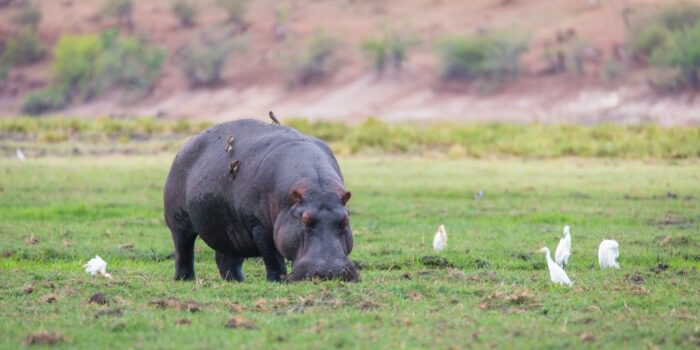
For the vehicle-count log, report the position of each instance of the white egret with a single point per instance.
(608, 251)
(563, 252)
(20, 155)
(479, 195)
(440, 239)
(556, 273)
(97, 265)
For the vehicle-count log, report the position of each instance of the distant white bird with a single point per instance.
(608, 251)
(479, 195)
(20, 155)
(440, 239)
(563, 252)
(556, 273)
(97, 265)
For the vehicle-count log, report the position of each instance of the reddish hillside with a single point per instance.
(256, 80)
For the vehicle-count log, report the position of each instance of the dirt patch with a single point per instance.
(109, 312)
(635, 278)
(183, 321)
(127, 247)
(366, 305)
(27, 289)
(660, 267)
(48, 298)
(43, 338)
(172, 303)
(98, 298)
(673, 220)
(435, 261)
(587, 338)
(261, 305)
(32, 240)
(236, 308)
(675, 241)
(280, 303)
(240, 323)
(415, 296)
(516, 302)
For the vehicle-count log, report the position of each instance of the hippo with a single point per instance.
(249, 189)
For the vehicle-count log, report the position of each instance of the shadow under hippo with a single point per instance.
(250, 189)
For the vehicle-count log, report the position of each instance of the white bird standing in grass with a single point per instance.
(556, 273)
(608, 251)
(96, 265)
(20, 155)
(563, 252)
(440, 239)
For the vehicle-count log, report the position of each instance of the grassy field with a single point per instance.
(488, 288)
(104, 135)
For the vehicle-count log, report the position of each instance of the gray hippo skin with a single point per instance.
(252, 189)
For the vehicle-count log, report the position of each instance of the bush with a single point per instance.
(683, 53)
(491, 56)
(679, 15)
(45, 100)
(654, 31)
(317, 61)
(24, 47)
(235, 9)
(75, 61)
(122, 10)
(391, 48)
(128, 62)
(28, 16)
(204, 58)
(669, 40)
(648, 39)
(90, 64)
(186, 12)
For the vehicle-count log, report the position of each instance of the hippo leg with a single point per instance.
(230, 268)
(184, 254)
(274, 262)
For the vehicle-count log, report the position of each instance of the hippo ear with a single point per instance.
(346, 197)
(296, 197)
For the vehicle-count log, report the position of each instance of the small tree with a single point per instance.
(186, 12)
(683, 53)
(492, 57)
(123, 11)
(317, 61)
(389, 49)
(23, 47)
(204, 58)
(28, 16)
(236, 10)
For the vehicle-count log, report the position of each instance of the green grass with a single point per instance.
(69, 136)
(496, 293)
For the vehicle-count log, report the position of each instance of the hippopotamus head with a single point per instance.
(315, 234)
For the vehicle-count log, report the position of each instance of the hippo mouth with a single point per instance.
(346, 272)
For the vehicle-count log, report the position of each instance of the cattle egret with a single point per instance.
(96, 265)
(20, 155)
(563, 252)
(440, 240)
(608, 251)
(556, 273)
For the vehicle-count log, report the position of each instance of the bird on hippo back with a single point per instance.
(248, 189)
